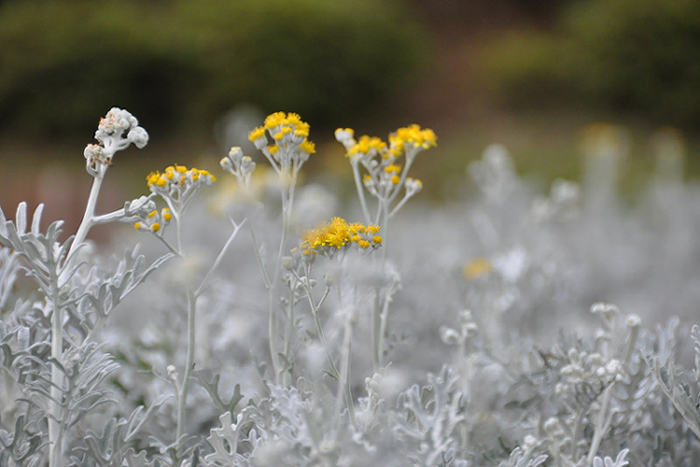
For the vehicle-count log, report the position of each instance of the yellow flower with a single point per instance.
(413, 135)
(152, 178)
(293, 119)
(337, 234)
(257, 133)
(308, 147)
(274, 120)
(477, 267)
(392, 168)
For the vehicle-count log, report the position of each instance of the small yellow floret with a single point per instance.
(152, 178)
(278, 136)
(367, 178)
(377, 239)
(308, 146)
(257, 133)
(477, 267)
(293, 119)
(181, 168)
(155, 227)
(373, 229)
(161, 182)
(166, 214)
(364, 243)
(273, 149)
(152, 213)
(395, 179)
(274, 120)
(137, 226)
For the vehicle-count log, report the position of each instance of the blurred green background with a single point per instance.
(529, 74)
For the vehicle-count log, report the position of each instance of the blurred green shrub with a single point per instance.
(624, 55)
(174, 63)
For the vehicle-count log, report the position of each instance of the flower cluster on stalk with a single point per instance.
(154, 221)
(338, 234)
(385, 176)
(116, 131)
(177, 184)
(290, 146)
(239, 165)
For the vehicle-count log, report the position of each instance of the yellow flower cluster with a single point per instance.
(154, 221)
(414, 136)
(287, 130)
(406, 139)
(337, 234)
(385, 178)
(179, 175)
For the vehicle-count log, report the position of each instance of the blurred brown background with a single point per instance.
(198, 74)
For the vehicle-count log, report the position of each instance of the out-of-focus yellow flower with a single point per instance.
(337, 234)
(477, 267)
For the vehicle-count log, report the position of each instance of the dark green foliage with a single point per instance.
(626, 55)
(179, 62)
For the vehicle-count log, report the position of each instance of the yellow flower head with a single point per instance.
(294, 119)
(308, 147)
(477, 267)
(178, 176)
(337, 234)
(257, 133)
(414, 136)
(274, 120)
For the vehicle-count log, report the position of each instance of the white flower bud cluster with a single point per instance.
(607, 312)
(116, 131)
(140, 207)
(468, 329)
(589, 368)
(413, 186)
(239, 165)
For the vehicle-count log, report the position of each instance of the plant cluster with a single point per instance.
(431, 344)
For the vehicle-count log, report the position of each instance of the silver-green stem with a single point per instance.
(360, 191)
(87, 221)
(182, 396)
(383, 317)
(601, 424)
(289, 335)
(57, 381)
(57, 377)
(256, 245)
(343, 391)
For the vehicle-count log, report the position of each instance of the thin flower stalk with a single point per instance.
(384, 179)
(289, 150)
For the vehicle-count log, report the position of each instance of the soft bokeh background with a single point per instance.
(530, 74)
